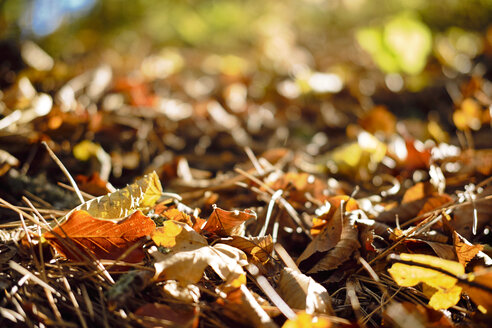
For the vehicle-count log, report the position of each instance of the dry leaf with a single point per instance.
(379, 119)
(342, 251)
(141, 194)
(189, 258)
(305, 320)
(297, 184)
(258, 248)
(241, 306)
(105, 239)
(447, 292)
(189, 293)
(225, 223)
(303, 293)
(418, 191)
(179, 236)
(465, 251)
(92, 185)
(409, 315)
(156, 315)
(333, 203)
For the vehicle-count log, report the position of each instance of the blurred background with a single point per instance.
(398, 37)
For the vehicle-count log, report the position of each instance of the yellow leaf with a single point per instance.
(141, 194)
(304, 320)
(178, 235)
(447, 293)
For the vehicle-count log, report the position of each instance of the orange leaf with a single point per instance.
(225, 223)
(258, 248)
(93, 184)
(334, 201)
(105, 239)
(465, 251)
(379, 119)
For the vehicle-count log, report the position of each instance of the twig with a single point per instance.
(65, 171)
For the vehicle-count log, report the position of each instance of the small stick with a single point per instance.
(74, 302)
(65, 171)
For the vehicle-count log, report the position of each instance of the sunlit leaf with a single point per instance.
(303, 293)
(258, 248)
(447, 292)
(224, 223)
(105, 239)
(305, 320)
(178, 236)
(141, 194)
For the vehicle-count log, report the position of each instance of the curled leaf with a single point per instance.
(141, 194)
(225, 223)
(302, 292)
(258, 248)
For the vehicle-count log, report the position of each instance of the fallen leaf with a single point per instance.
(187, 261)
(303, 293)
(333, 203)
(415, 314)
(379, 119)
(465, 251)
(305, 320)
(297, 184)
(447, 292)
(188, 293)
(178, 235)
(343, 249)
(142, 193)
(418, 191)
(105, 239)
(156, 315)
(92, 185)
(258, 248)
(241, 306)
(225, 223)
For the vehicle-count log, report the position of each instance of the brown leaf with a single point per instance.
(105, 239)
(334, 203)
(297, 185)
(93, 184)
(162, 315)
(418, 191)
(225, 223)
(303, 293)
(258, 248)
(379, 119)
(464, 250)
(342, 251)
(241, 306)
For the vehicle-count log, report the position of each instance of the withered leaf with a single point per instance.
(465, 251)
(142, 193)
(105, 239)
(178, 235)
(342, 251)
(258, 248)
(303, 293)
(225, 223)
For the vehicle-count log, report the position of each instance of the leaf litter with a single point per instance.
(239, 209)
